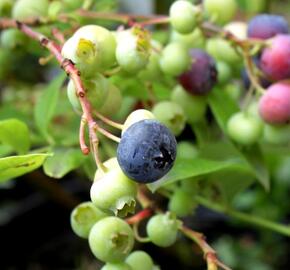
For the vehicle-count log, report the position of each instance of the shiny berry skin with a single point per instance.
(275, 59)
(264, 26)
(202, 75)
(24, 9)
(147, 151)
(274, 106)
(111, 240)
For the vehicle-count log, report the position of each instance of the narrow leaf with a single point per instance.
(14, 166)
(62, 162)
(185, 168)
(46, 105)
(15, 133)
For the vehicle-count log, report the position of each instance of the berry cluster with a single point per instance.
(204, 55)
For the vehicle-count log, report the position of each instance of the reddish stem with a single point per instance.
(139, 216)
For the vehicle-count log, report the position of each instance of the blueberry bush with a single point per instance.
(164, 116)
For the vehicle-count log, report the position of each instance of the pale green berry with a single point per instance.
(152, 70)
(140, 260)
(186, 150)
(133, 49)
(278, 134)
(136, 116)
(220, 11)
(162, 229)
(83, 218)
(194, 106)
(171, 115)
(194, 39)
(97, 91)
(114, 192)
(109, 164)
(244, 128)
(91, 48)
(112, 103)
(182, 16)
(111, 240)
(12, 38)
(181, 203)
(117, 266)
(175, 59)
(24, 9)
(224, 72)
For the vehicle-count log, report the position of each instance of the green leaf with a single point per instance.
(46, 105)
(185, 168)
(15, 133)
(223, 107)
(14, 166)
(63, 161)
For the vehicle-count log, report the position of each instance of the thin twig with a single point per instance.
(108, 121)
(208, 251)
(85, 149)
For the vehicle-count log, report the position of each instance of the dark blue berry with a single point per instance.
(202, 75)
(265, 26)
(147, 151)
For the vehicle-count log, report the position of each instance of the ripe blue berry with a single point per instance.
(201, 76)
(147, 151)
(265, 26)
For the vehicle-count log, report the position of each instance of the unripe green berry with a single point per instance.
(175, 59)
(114, 192)
(110, 165)
(12, 38)
(112, 103)
(224, 72)
(171, 115)
(83, 218)
(152, 70)
(186, 150)
(194, 106)
(279, 134)
(233, 90)
(24, 9)
(194, 39)
(133, 49)
(162, 229)
(91, 48)
(136, 116)
(116, 266)
(97, 91)
(139, 260)
(181, 203)
(111, 240)
(244, 128)
(222, 50)
(220, 11)
(182, 16)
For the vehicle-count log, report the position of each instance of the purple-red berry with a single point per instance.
(275, 59)
(265, 26)
(274, 106)
(202, 75)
